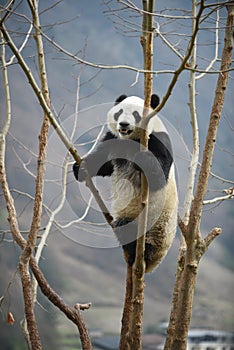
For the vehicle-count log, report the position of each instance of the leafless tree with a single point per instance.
(144, 20)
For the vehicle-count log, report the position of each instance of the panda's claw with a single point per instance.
(78, 172)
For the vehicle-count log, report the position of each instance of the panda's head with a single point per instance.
(124, 117)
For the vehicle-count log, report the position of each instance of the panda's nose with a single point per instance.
(124, 125)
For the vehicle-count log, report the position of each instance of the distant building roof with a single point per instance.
(154, 341)
(198, 335)
(202, 332)
(149, 341)
(106, 343)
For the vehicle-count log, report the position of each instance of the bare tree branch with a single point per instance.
(37, 210)
(84, 336)
(190, 253)
(216, 231)
(157, 30)
(28, 245)
(193, 115)
(181, 67)
(212, 62)
(139, 264)
(218, 199)
(182, 222)
(196, 247)
(194, 220)
(64, 138)
(23, 265)
(44, 286)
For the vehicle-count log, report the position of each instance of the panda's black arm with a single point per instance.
(156, 161)
(160, 146)
(97, 163)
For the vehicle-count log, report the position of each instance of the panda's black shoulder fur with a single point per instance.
(155, 100)
(160, 146)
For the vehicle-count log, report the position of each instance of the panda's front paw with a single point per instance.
(78, 172)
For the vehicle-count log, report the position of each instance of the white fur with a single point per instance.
(129, 105)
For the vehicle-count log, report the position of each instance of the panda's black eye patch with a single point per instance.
(117, 114)
(137, 116)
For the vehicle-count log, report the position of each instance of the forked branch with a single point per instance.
(195, 245)
(138, 271)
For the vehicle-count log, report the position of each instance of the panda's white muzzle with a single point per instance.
(125, 129)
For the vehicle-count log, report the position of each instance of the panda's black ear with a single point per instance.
(120, 99)
(155, 100)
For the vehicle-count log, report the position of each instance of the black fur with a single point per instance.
(97, 162)
(118, 114)
(155, 100)
(96, 165)
(120, 99)
(137, 116)
(126, 232)
(160, 146)
(150, 166)
(121, 163)
(130, 252)
(76, 170)
(108, 136)
(155, 163)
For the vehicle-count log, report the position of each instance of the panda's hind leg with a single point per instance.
(150, 257)
(126, 232)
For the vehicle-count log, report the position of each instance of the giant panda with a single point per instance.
(119, 155)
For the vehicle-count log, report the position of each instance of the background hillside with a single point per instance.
(83, 263)
(82, 274)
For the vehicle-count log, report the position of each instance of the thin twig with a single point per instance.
(212, 62)
(218, 199)
(195, 131)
